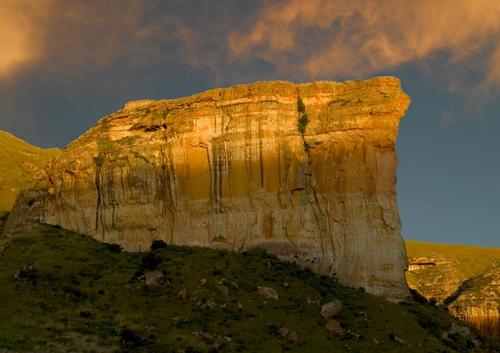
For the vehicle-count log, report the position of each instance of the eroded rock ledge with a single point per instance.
(304, 170)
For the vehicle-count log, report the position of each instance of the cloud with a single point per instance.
(75, 37)
(493, 68)
(19, 40)
(318, 38)
(294, 39)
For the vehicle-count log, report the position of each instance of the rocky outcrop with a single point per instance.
(306, 171)
(464, 279)
(478, 301)
(420, 263)
(29, 211)
(20, 164)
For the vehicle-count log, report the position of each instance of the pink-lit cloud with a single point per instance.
(19, 38)
(313, 39)
(356, 38)
(74, 37)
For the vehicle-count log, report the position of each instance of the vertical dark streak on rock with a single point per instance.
(98, 163)
(209, 163)
(111, 195)
(220, 169)
(279, 163)
(215, 185)
(219, 174)
(261, 161)
(167, 181)
(248, 151)
(212, 166)
(319, 215)
(122, 185)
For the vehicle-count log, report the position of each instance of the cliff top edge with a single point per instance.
(278, 87)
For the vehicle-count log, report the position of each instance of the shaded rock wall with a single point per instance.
(304, 170)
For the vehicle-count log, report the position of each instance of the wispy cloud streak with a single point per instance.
(297, 39)
(317, 38)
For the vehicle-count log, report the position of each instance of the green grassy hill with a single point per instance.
(19, 163)
(60, 292)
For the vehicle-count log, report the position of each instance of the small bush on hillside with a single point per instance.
(85, 314)
(114, 248)
(150, 261)
(29, 273)
(419, 298)
(129, 339)
(273, 330)
(158, 244)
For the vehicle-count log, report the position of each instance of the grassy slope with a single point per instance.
(457, 263)
(471, 259)
(18, 162)
(83, 296)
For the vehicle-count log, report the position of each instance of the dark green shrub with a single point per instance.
(150, 261)
(29, 273)
(419, 298)
(301, 108)
(99, 160)
(114, 248)
(273, 330)
(129, 339)
(158, 244)
(85, 314)
(303, 118)
(74, 293)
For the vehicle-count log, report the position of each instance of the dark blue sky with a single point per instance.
(65, 64)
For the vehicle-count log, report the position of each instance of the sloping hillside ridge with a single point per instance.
(64, 292)
(20, 163)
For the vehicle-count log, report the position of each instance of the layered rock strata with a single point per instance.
(306, 171)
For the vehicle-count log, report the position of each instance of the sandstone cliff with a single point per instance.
(465, 279)
(306, 171)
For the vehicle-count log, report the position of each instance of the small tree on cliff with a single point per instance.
(303, 118)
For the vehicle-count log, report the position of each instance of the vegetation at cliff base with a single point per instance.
(62, 292)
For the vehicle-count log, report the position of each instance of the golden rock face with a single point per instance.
(234, 168)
